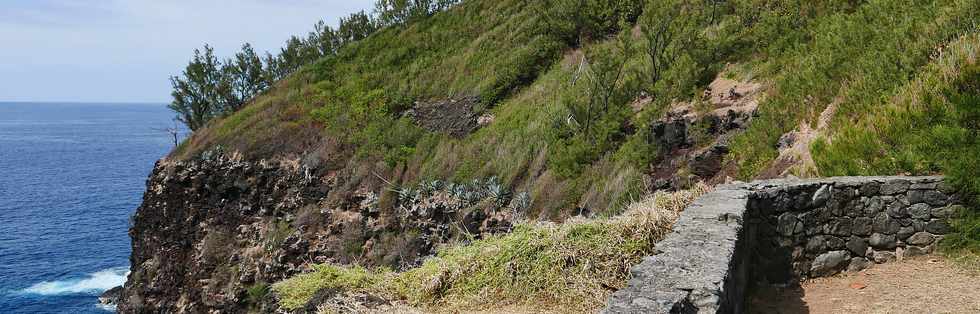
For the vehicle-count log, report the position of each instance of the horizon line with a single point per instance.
(82, 102)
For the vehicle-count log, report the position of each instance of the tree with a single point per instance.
(275, 70)
(670, 27)
(325, 40)
(246, 75)
(209, 88)
(397, 12)
(198, 93)
(174, 132)
(596, 100)
(573, 21)
(603, 69)
(355, 27)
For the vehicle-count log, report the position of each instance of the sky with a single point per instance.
(126, 50)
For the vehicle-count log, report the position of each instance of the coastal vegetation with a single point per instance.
(210, 88)
(571, 266)
(569, 91)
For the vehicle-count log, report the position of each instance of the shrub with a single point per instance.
(257, 292)
(296, 291)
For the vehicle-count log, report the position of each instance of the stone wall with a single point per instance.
(822, 227)
(780, 231)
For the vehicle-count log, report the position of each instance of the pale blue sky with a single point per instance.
(125, 50)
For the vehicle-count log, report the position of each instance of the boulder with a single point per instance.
(938, 226)
(671, 134)
(883, 241)
(921, 239)
(931, 197)
(913, 251)
(788, 224)
(895, 186)
(874, 205)
(862, 226)
(858, 264)
(870, 188)
(829, 263)
(885, 224)
(707, 163)
(857, 245)
(111, 297)
(816, 244)
(921, 211)
(840, 227)
(821, 196)
(835, 243)
(905, 233)
(881, 257)
(898, 210)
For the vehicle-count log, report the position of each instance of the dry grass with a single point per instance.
(569, 267)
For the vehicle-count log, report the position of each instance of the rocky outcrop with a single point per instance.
(780, 231)
(111, 297)
(694, 142)
(212, 233)
(456, 117)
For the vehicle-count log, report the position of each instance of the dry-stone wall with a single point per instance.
(779, 231)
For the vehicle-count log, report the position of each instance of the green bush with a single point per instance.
(967, 235)
(295, 292)
(257, 292)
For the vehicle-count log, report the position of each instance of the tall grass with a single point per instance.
(572, 266)
(929, 125)
(852, 56)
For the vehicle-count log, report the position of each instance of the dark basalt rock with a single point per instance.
(456, 117)
(111, 297)
(212, 227)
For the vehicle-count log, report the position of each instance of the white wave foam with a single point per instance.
(95, 282)
(107, 307)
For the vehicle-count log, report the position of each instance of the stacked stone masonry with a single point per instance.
(780, 231)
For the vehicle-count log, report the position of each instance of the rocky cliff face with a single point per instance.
(213, 233)
(695, 141)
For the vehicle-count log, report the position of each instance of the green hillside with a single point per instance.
(559, 79)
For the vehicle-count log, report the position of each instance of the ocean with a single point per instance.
(71, 175)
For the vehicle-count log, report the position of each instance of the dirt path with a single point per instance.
(928, 284)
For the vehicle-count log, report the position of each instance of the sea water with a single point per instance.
(71, 175)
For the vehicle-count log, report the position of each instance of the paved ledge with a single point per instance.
(776, 231)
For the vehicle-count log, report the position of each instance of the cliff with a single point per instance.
(213, 233)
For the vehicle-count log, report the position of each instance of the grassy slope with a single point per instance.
(858, 54)
(879, 60)
(346, 107)
(853, 57)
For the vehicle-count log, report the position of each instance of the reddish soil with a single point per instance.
(929, 284)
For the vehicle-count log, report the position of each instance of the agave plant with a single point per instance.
(213, 154)
(521, 202)
(431, 187)
(406, 195)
